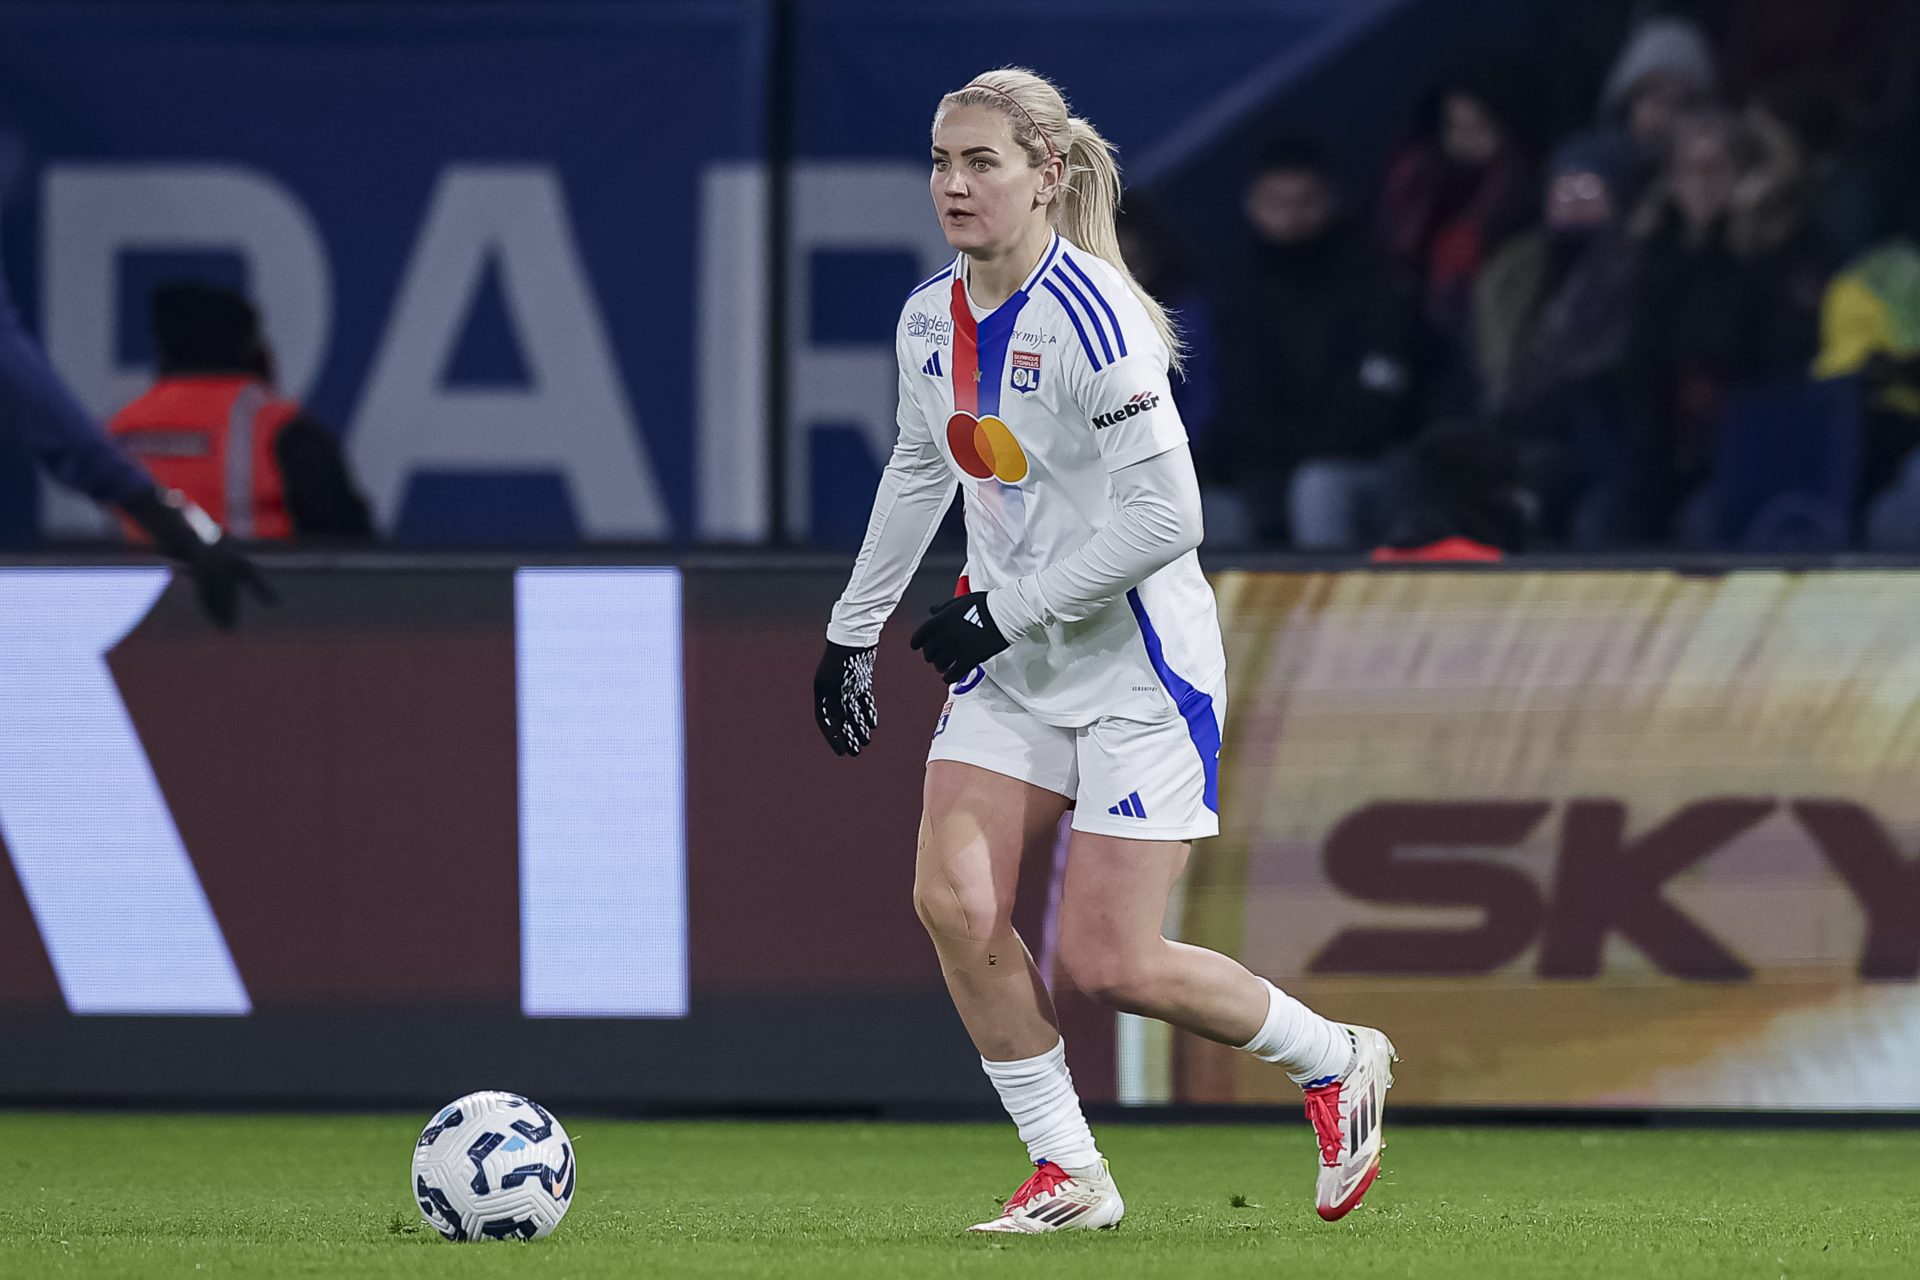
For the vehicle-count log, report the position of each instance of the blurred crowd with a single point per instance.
(1685, 314)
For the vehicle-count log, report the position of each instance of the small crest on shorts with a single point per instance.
(1026, 371)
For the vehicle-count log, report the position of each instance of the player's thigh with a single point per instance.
(1113, 902)
(975, 830)
(1147, 791)
(997, 784)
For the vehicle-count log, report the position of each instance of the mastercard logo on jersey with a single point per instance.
(985, 448)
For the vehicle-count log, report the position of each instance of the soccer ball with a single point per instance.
(493, 1166)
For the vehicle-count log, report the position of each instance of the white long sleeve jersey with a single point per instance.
(1053, 416)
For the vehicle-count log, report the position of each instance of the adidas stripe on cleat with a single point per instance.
(1055, 1200)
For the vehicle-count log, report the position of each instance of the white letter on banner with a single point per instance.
(573, 419)
(121, 911)
(849, 205)
(603, 886)
(732, 318)
(91, 214)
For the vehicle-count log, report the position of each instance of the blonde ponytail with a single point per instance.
(1089, 216)
(1088, 207)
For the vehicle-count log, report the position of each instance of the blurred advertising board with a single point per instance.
(414, 829)
(1579, 838)
(1572, 838)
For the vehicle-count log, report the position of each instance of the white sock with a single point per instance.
(1038, 1093)
(1312, 1050)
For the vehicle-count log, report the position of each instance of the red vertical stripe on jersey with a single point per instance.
(966, 353)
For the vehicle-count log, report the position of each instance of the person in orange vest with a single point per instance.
(213, 427)
(1469, 504)
(39, 412)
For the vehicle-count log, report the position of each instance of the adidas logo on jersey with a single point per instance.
(1142, 402)
(932, 365)
(1129, 808)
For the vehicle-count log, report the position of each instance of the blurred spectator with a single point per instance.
(1550, 328)
(1665, 70)
(1847, 183)
(1467, 501)
(1550, 308)
(1159, 260)
(1461, 188)
(212, 427)
(1319, 345)
(1725, 293)
(1870, 329)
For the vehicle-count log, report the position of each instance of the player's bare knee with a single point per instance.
(1115, 975)
(956, 909)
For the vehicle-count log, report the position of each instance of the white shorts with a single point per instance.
(1138, 780)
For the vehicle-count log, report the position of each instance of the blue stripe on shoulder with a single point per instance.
(1085, 345)
(1092, 317)
(1094, 289)
(1053, 251)
(929, 282)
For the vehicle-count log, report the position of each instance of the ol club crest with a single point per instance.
(1026, 371)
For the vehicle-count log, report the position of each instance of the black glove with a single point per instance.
(843, 703)
(959, 636)
(187, 534)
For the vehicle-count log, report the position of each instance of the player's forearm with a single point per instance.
(1155, 522)
(914, 492)
(61, 435)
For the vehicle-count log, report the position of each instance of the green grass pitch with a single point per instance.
(268, 1196)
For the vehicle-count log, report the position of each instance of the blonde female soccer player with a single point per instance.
(1083, 649)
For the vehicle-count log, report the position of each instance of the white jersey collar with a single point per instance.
(1047, 259)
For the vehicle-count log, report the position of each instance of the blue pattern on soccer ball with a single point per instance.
(528, 1130)
(557, 1183)
(451, 1118)
(438, 1210)
(482, 1148)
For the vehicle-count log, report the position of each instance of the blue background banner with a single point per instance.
(481, 151)
(518, 254)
